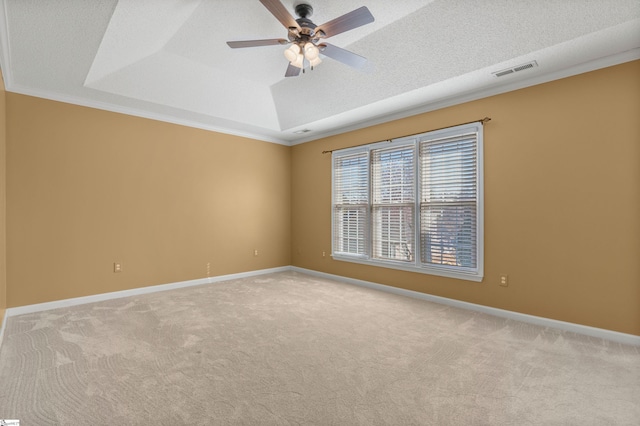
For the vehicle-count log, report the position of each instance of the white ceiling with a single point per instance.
(168, 59)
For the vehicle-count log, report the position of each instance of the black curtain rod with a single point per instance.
(483, 121)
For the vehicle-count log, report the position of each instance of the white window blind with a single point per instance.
(393, 205)
(414, 204)
(350, 203)
(448, 207)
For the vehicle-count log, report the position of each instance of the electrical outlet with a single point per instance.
(504, 280)
(208, 269)
(255, 252)
(117, 267)
(324, 254)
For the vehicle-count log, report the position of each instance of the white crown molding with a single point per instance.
(105, 106)
(614, 336)
(10, 86)
(288, 139)
(605, 62)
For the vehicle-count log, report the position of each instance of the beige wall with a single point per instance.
(87, 188)
(3, 210)
(562, 200)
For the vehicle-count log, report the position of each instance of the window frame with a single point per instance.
(458, 272)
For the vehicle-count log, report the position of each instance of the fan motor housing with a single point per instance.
(304, 10)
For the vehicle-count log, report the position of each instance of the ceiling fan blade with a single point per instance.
(344, 56)
(255, 43)
(278, 10)
(346, 22)
(292, 71)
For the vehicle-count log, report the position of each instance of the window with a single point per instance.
(351, 192)
(413, 204)
(393, 203)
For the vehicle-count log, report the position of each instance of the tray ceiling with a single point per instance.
(168, 59)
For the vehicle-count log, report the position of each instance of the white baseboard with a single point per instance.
(28, 309)
(614, 336)
(4, 325)
(601, 333)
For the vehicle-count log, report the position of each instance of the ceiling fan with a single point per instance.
(305, 37)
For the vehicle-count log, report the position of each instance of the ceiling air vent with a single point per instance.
(515, 69)
(302, 131)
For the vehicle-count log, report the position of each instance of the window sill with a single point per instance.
(441, 272)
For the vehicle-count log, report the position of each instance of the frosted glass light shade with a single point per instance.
(311, 52)
(299, 61)
(292, 53)
(315, 62)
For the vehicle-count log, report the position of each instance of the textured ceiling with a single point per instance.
(168, 59)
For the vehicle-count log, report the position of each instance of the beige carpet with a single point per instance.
(290, 349)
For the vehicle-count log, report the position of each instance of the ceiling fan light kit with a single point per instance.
(296, 58)
(304, 37)
(292, 53)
